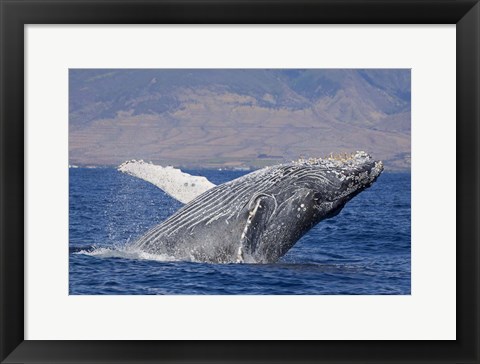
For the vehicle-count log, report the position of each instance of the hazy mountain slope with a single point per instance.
(216, 118)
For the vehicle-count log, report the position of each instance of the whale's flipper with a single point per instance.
(260, 209)
(179, 185)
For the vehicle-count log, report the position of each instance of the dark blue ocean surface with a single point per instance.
(363, 250)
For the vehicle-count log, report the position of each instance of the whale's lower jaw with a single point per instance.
(258, 217)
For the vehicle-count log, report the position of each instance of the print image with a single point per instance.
(239, 181)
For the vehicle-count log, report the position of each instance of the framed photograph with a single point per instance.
(239, 181)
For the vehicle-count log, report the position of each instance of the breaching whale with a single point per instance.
(258, 217)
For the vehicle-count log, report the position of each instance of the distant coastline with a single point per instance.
(226, 167)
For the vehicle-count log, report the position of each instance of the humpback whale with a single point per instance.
(258, 217)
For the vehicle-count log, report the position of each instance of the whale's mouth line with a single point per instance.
(364, 181)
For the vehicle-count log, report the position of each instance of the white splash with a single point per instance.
(125, 253)
(179, 185)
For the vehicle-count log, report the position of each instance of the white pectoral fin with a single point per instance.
(179, 185)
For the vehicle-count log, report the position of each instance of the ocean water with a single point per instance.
(365, 250)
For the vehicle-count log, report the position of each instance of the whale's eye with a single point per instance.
(318, 197)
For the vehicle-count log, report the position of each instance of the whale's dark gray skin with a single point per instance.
(258, 217)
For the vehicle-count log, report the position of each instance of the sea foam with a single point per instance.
(125, 252)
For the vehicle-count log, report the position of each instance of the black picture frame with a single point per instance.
(16, 13)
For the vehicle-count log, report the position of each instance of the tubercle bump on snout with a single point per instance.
(340, 158)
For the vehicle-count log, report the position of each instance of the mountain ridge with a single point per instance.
(228, 118)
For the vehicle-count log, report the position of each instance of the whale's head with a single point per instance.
(302, 194)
